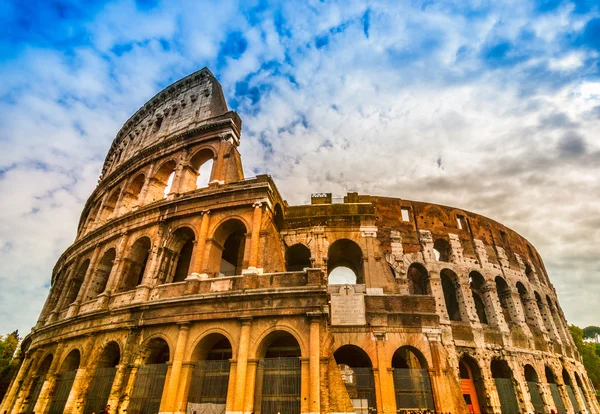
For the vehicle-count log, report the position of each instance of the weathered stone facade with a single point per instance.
(219, 294)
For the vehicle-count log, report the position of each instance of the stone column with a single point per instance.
(219, 175)
(60, 304)
(115, 271)
(231, 386)
(254, 243)
(548, 321)
(168, 402)
(386, 379)
(187, 369)
(315, 362)
(78, 388)
(517, 310)
(304, 385)
(199, 261)
(250, 385)
(31, 358)
(87, 281)
(44, 398)
(492, 302)
(437, 292)
(242, 363)
(466, 305)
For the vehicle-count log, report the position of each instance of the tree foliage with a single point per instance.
(591, 360)
(8, 364)
(591, 332)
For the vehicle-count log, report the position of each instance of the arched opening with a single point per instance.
(449, 284)
(160, 186)
(582, 392)
(471, 384)
(92, 217)
(210, 376)
(278, 217)
(297, 258)
(441, 250)
(477, 282)
(177, 256)
(418, 280)
(278, 375)
(529, 273)
(132, 195)
(135, 264)
(555, 318)
(150, 378)
(569, 387)
(345, 254)
(109, 205)
(412, 385)
(551, 381)
(103, 377)
(357, 373)
(75, 283)
(37, 383)
(202, 163)
(527, 313)
(100, 276)
(227, 250)
(64, 382)
(535, 392)
(503, 375)
(504, 296)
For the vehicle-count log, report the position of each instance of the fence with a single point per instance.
(147, 389)
(99, 389)
(277, 386)
(413, 389)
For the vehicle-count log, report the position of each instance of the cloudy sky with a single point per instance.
(490, 106)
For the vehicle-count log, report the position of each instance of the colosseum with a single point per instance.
(190, 288)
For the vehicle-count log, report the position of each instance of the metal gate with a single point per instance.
(572, 398)
(210, 380)
(62, 388)
(365, 386)
(506, 392)
(34, 393)
(99, 389)
(147, 389)
(587, 408)
(560, 406)
(536, 397)
(413, 389)
(278, 386)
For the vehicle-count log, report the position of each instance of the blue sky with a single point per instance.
(490, 106)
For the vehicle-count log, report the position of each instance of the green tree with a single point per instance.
(591, 332)
(8, 364)
(591, 360)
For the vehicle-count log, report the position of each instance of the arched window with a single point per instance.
(132, 195)
(502, 375)
(109, 205)
(551, 381)
(418, 280)
(160, 186)
(177, 256)
(64, 382)
(210, 377)
(92, 217)
(227, 250)
(100, 276)
(569, 386)
(37, 383)
(529, 274)
(449, 283)
(297, 257)
(357, 373)
(202, 162)
(150, 378)
(135, 264)
(278, 375)
(74, 285)
(346, 256)
(103, 377)
(412, 385)
(472, 385)
(535, 391)
(580, 388)
(477, 283)
(504, 296)
(441, 249)
(555, 318)
(528, 313)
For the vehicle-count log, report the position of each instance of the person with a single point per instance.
(106, 410)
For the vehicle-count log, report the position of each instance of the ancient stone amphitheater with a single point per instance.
(192, 288)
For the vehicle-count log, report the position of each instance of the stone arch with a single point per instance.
(529, 273)
(345, 253)
(103, 376)
(74, 285)
(527, 313)
(477, 284)
(101, 274)
(64, 381)
(258, 350)
(555, 318)
(559, 405)
(278, 374)
(442, 250)
(535, 392)
(135, 263)
(449, 287)
(160, 185)
(131, 198)
(203, 166)
(150, 377)
(92, 217)
(504, 297)
(569, 386)
(472, 384)
(38, 382)
(210, 375)
(418, 280)
(228, 243)
(297, 257)
(357, 373)
(503, 378)
(177, 255)
(581, 390)
(108, 207)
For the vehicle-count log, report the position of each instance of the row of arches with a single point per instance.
(474, 390)
(153, 185)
